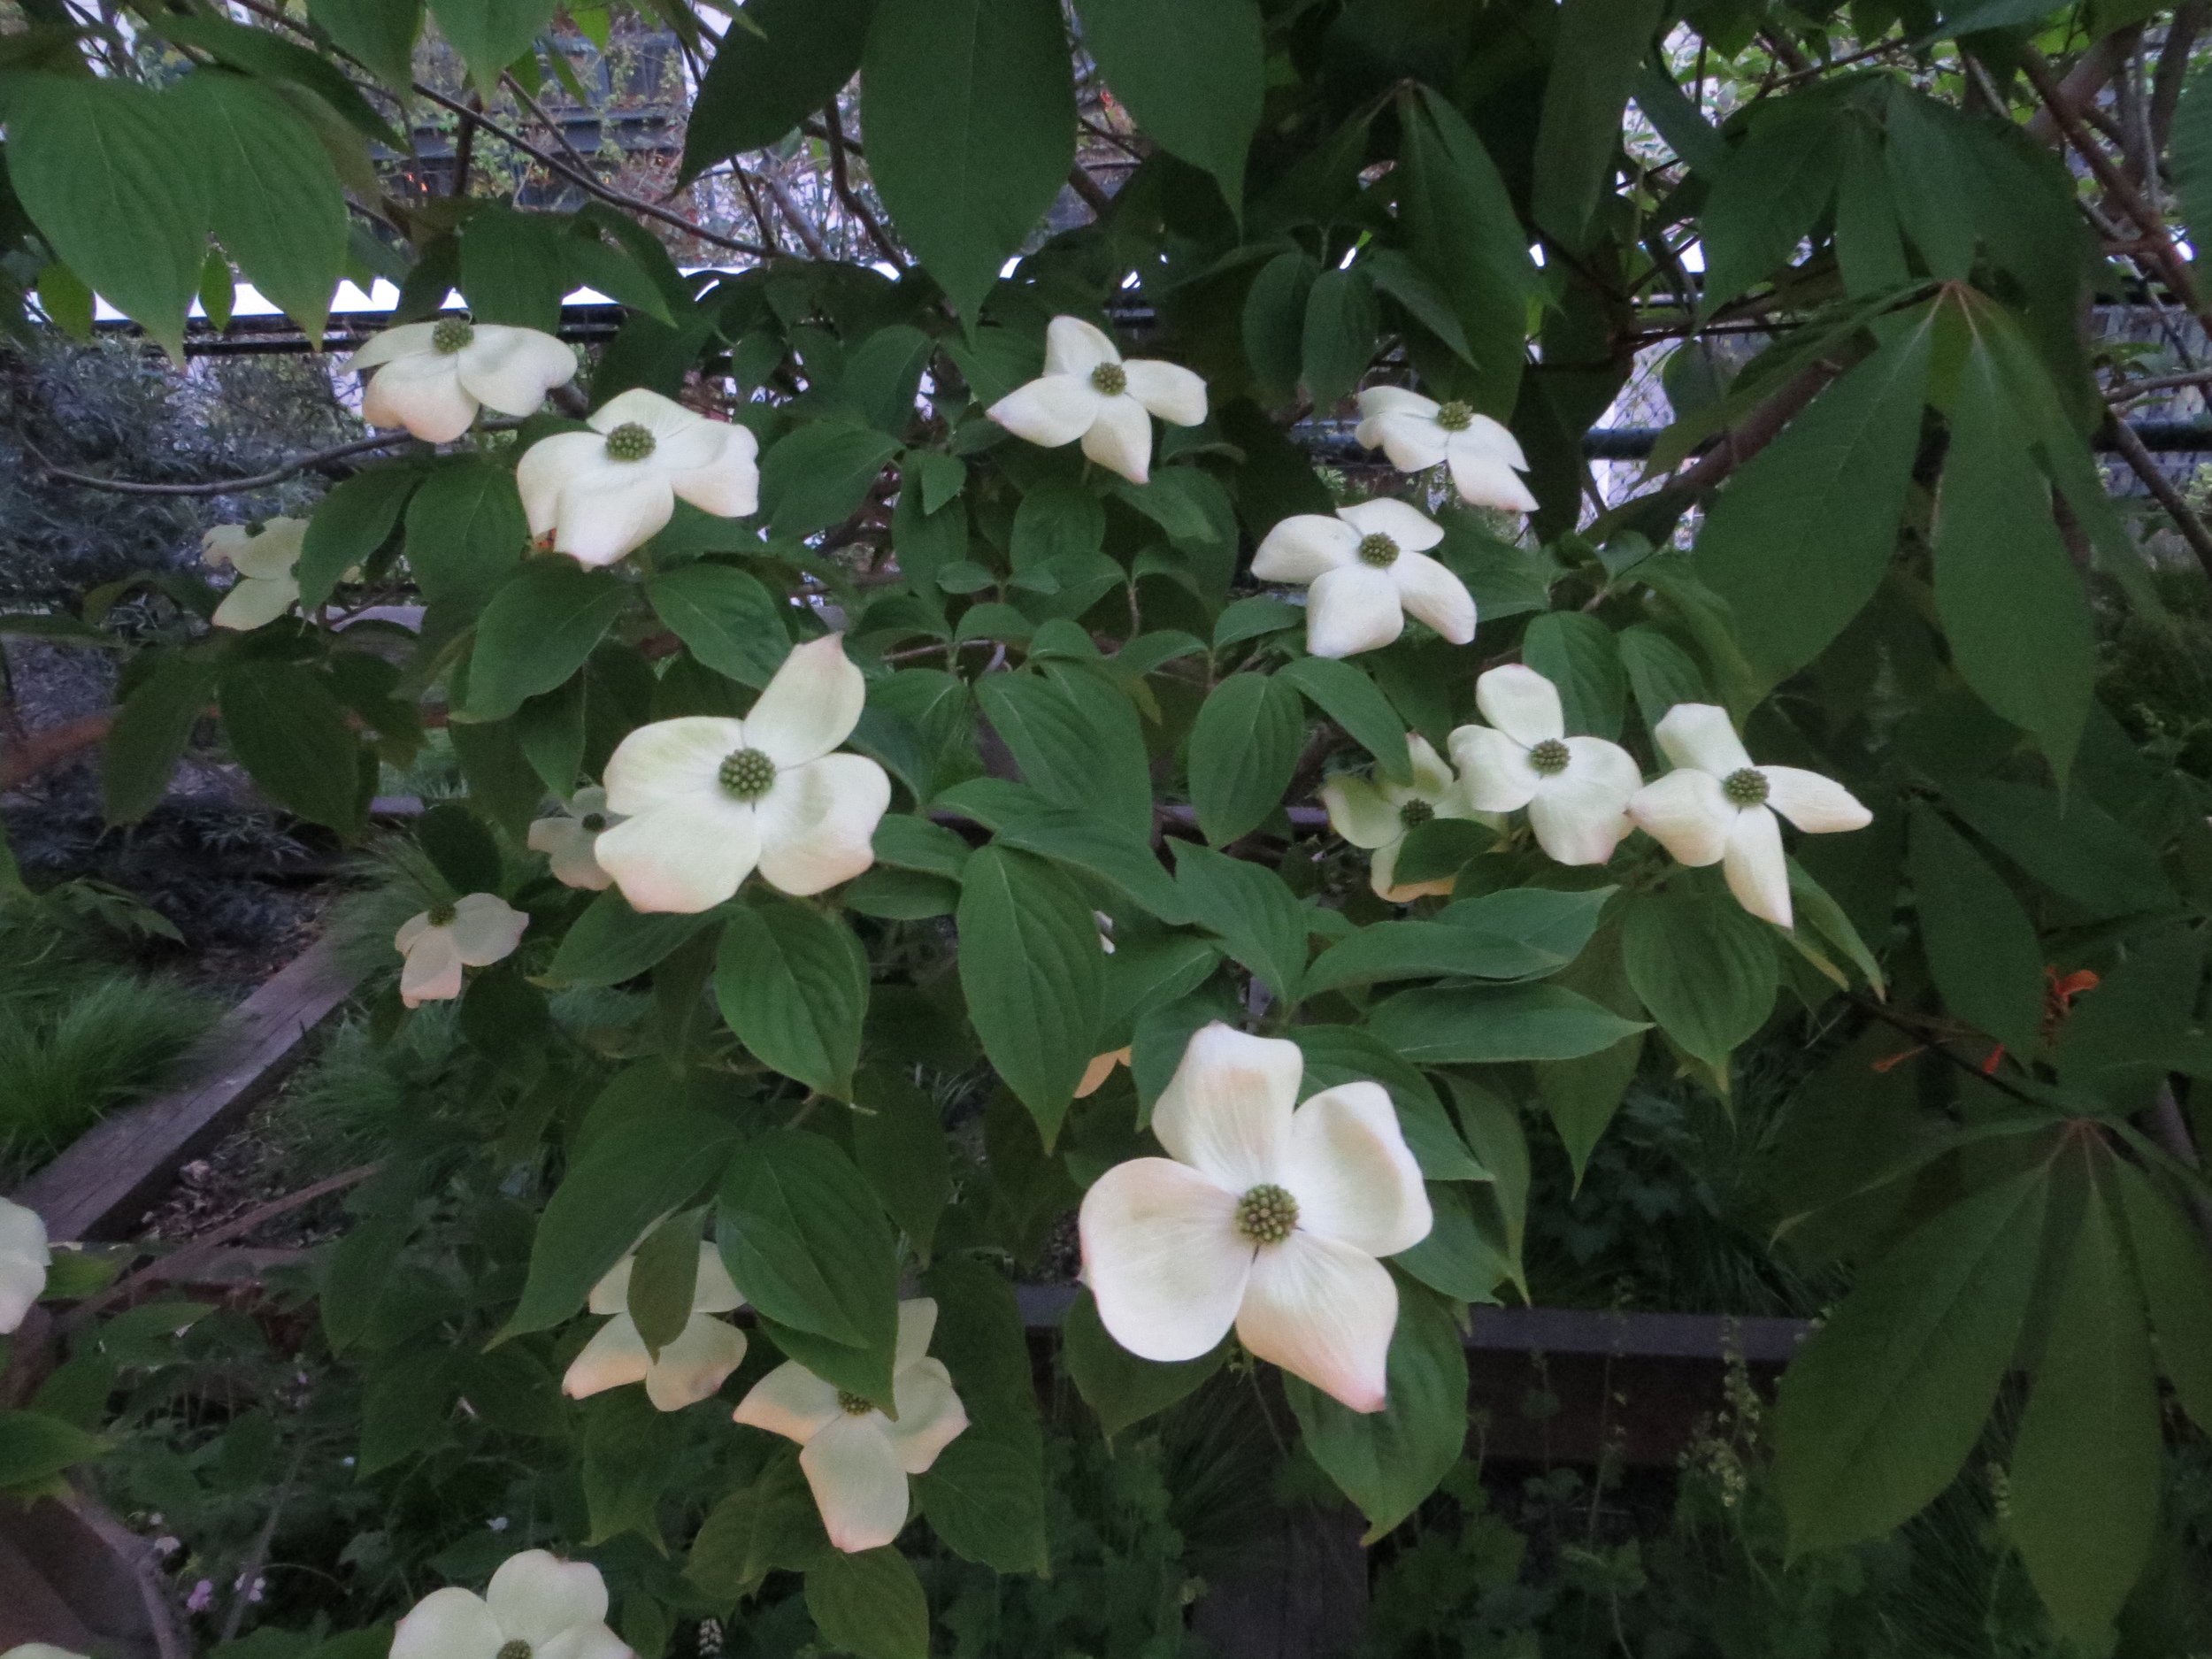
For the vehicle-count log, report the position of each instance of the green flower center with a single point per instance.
(1110, 378)
(853, 1405)
(1746, 787)
(515, 1649)
(629, 441)
(594, 821)
(1413, 814)
(748, 774)
(442, 915)
(1378, 550)
(1456, 416)
(1549, 758)
(1267, 1214)
(452, 335)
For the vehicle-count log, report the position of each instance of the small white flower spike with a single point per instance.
(600, 494)
(474, 932)
(1366, 567)
(432, 378)
(1576, 788)
(1417, 433)
(1088, 392)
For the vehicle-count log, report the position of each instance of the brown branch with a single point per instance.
(2154, 480)
(2173, 68)
(803, 227)
(850, 197)
(2079, 89)
(233, 486)
(2129, 390)
(464, 145)
(52, 746)
(1093, 196)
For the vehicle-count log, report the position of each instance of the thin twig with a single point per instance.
(809, 237)
(241, 1592)
(233, 486)
(464, 145)
(846, 194)
(2129, 390)
(2154, 480)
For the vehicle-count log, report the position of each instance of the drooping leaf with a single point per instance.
(1597, 47)
(729, 620)
(490, 35)
(1767, 194)
(1704, 968)
(150, 734)
(288, 729)
(1259, 921)
(869, 1603)
(1348, 697)
(806, 1239)
(1115, 1383)
(610, 942)
(350, 524)
(1486, 1025)
(1577, 654)
(537, 632)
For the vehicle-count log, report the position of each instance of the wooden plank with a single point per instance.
(103, 1183)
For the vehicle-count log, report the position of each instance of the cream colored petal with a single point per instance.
(1350, 1171)
(1360, 812)
(1758, 874)
(1323, 1311)
(697, 1364)
(1484, 433)
(1413, 442)
(1433, 779)
(584, 1641)
(611, 1294)
(1686, 813)
(1522, 703)
(603, 519)
(255, 600)
(858, 1483)
(917, 1323)
(1121, 438)
(1395, 400)
(1057, 408)
(1430, 591)
(1818, 805)
(1701, 735)
(39, 1650)
(671, 761)
(23, 1233)
(545, 470)
(486, 928)
(1167, 389)
(1303, 547)
(818, 826)
(406, 341)
(684, 858)
(713, 1291)
(931, 1415)
(727, 482)
(1495, 769)
(422, 394)
(275, 551)
(1100, 1068)
(790, 1401)
(1163, 1258)
(1581, 814)
(567, 846)
(810, 706)
(535, 1596)
(614, 1358)
(1226, 1111)
(512, 369)
(1485, 480)
(1382, 876)
(448, 1623)
(1411, 529)
(664, 416)
(410, 931)
(22, 1282)
(223, 544)
(1352, 610)
(432, 971)
(1074, 346)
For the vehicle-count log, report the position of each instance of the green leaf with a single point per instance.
(1660, 673)
(1274, 324)
(2067, 843)
(664, 1276)
(1115, 1383)
(793, 983)
(150, 733)
(536, 633)
(820, 474)
(1190, 71)
(1885, 1400)
(1798, 541)
(984, 1497)
(34, 1447)
(1257, 918)
(1493, 1129)
(1704, 969)
(1576, 652)
(1243, 749)
(1597, 48)
(899, 1141)
(1767, 195)
(1242, 619)
(465, 530)
(1345, 1054)
(1422, 950)
(2117, 1040)
(1457, 1259)
(350, 524)
(2192, 155)
(622, 1181)
(1077, 740)
(968, 112)
(915, 843)
(1551, 925)
(930, 541)
(379, 33)
(769, 1524)
(1980, 946)
(1081, 842)
(1387, 1462)
(1816, 909)
(287, 729)
(870, 1603)
(511, 268)
(765, 80)
(1486, 1025)
(806, 1241)
(1034, 975)
(490, 35)
(98, 163)
(610, 942)
(1342, 321)
(1348, 697)
(2175, 1269)
(731, 622)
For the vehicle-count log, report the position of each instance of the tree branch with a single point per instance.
(802, 226)
(234, 486)
(2161, 487)
(836, 127)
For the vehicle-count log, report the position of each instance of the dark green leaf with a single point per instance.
(729, 620)
(1115, 1383)
(820, 474)
(1274, 325)
(1768, 193)
(1342, 320)
(1980, 946)
(1077, 740)
(289, 732)
(807, 1242)
(1257, 918)
(765, 78)
(1597, 48)
(899, 1144)
(465, 530)
(536, 633)
(793, 983)
(34, 1447)
(150, 735)
(769, 1524)
(1575, 652)
(2116, 1041)
(1031, 965)
(1348, 697)
(870, 1604)
(2176, 1268)
(1660, 673)
(490, 35)
(1243, 750)
(1485, 1026)
(350, 524)
(379, 33)
(511, 266)
(1704, 969)
(2067, 843)
(664, 1276)
(610, 942)
(1345, 1054)
(1190, 71)
(1422, 950)
(915, 843)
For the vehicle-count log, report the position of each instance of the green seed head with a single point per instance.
(1746, 787)
(1378, 550)
(442, 915)
(1549, 758)
(1110, 378)
(515, 1649)
(852, 1405)
(748, 774)
(1456, 416)
(1414, 813)
(594, 821)
(629, 441)
(452, 335)
(1267, 1214)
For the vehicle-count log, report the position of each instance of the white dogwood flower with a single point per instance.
(686, 1371)
(707, 798)
(1576, 788)
(1378, 816)
(39, 1650)
(1088, 392)
(1265, 1217)
(536, 1605)
(474, 931)
(855, 1459)
(568, 837)
(1417, 433)
(264, 561)
(1716, 807)
(432, 378)
(24, 1259)
(600, 493)
(1365, 568)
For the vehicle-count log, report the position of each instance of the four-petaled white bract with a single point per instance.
(1379, 816)
(432, 378)
(24, 1259)
(1417, 433)
(708, 799)
(598, 494)
(1576, 789)
(1716, 807)
(1268, 1215)
(857, 1459)
(1088, 392)
(39, 1650)
(1366, 567)
(569, 837)
(559, 1608)
(475, 931)
(267, 588)
(687, 1370)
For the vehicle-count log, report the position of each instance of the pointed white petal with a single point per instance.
(1323, 1311)
(1432, 777)
(1494, 769)
(1413, 530)
(917, 1323)
(407, 340)
(254, 601)
(410, 931)
(1818, 805)
(1486, 479)
(713, 1291)
(790, 1401)
(272, 554)
(611, 1294)
(23, 1233)
(1121, 438)
(1162, 1257)
(603, 517)
(818, 826)
(1302, 547)
(1353, 608)
(858, 1483)
(567, 846)
(1395, 400)
(486, 928)
(1167, 389)
(584, 1641)
(683, 858)
(545, 470)
(1758, 874)
(1580, 815)
(1382, 876)
(931, 1415)
(1073, 347)
(448, 1623)
(1226, 1111)
(671, 761)
(1413, 440)
(1484, 432)
(535, 1596)
(422, 394)
(1522, 703)
(664, 416)
(1686, 813)
(1701, 735)
(512, 369)
(1359, 812)
(1350, 1171)
(614, 1358)
(1057, 408)
(810, 706)
(24, 1258)
(432, 971)
(697, 1364)
(727, 482)
(1430, 591)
